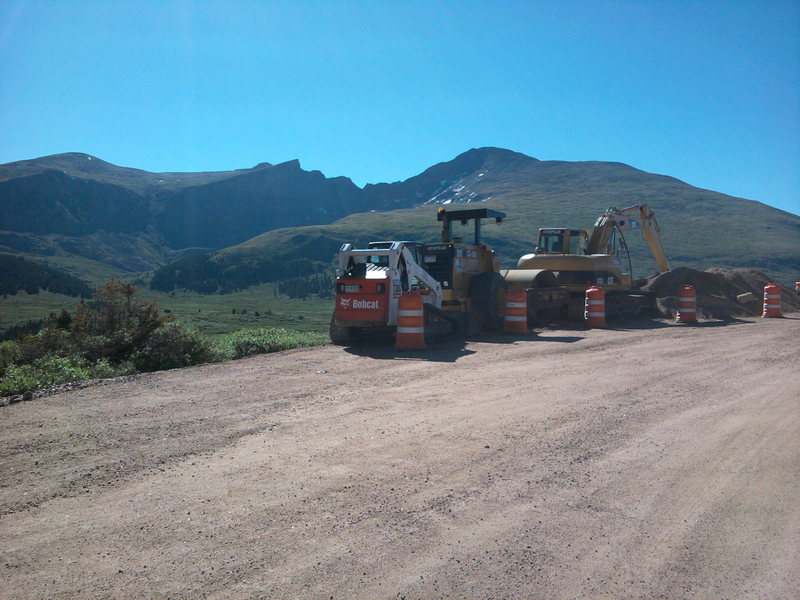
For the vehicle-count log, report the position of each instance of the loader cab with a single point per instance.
(386, 261)
(560, 240)
(358, 264)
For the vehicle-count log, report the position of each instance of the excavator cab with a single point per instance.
(560, 240)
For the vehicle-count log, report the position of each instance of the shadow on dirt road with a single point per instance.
(448, 351)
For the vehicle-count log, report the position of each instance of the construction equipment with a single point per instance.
(460, 284)
(576, 259)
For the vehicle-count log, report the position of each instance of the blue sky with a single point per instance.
(708, 92)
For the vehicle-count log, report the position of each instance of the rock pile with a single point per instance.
(721, 293)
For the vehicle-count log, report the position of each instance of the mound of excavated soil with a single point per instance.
(717, 291)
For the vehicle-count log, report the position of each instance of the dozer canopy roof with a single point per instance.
(472, 214)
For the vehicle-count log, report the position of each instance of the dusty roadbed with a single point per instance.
(643, 463)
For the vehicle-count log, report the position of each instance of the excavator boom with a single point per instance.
(638, 216)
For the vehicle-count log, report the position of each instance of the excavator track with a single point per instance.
(626, 305)
(619, 306)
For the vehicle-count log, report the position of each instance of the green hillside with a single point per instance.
(700, 228)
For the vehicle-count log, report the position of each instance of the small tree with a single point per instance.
(116, 322)
(64, 320)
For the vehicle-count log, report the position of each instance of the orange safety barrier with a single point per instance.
(687, 305)
(595, 307)
(772, 301)
(410, 323)
(516, 320)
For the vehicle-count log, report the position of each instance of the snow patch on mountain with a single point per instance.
(458, 191)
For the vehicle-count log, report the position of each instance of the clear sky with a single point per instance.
(705, 91)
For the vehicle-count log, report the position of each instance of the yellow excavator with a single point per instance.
(577, 259)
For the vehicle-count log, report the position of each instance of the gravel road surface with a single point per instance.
(659, 462)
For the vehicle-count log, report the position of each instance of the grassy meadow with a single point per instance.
(126, 331)
(211, 314)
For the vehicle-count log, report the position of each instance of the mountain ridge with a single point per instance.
(85, 213)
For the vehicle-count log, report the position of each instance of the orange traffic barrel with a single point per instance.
(772, 301)
(797, 286)
(410, 323)
(595, 311)
(516, 320)
(687, 305)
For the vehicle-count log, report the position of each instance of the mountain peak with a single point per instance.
(65, 161)
(462, 179)
(491, 152)
(290, 165)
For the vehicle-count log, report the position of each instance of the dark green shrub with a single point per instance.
(9, 355)
(53, 370)
(63, 320)
(116, 348)
(172, 345)
(261, 341)
(48, 342)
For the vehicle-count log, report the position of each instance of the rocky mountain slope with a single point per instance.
(95, 219)
(137, 220)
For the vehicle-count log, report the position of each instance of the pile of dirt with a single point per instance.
(719, 292)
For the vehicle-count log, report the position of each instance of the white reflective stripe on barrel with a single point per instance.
(594, 314)
(410, 313)
(686, 310)
(516, 305)
(510, 318)
(410, 330)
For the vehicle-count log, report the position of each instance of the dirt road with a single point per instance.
(642, 463)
